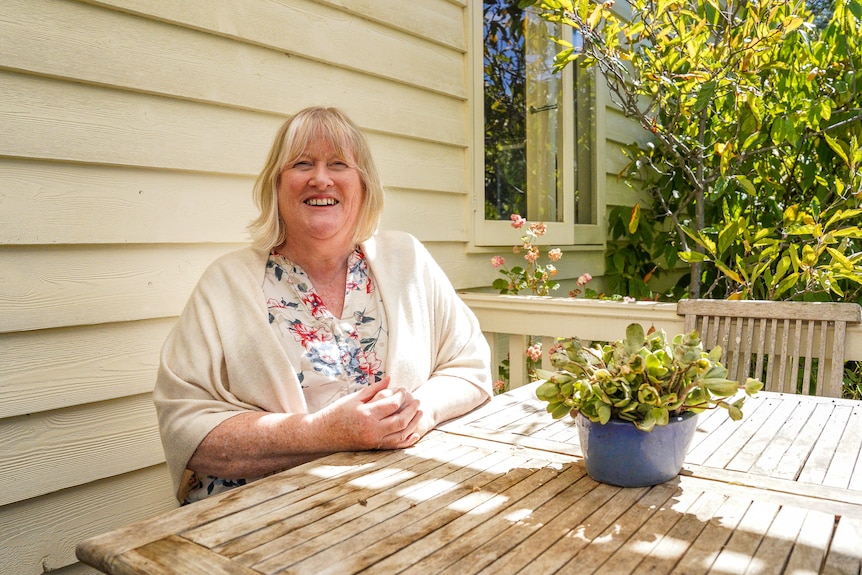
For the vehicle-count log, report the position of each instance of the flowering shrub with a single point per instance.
(533, 276)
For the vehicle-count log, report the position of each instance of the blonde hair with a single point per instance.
(291, 140)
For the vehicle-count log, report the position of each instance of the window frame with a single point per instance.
(567, 233)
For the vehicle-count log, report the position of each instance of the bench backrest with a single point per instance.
(780, 343)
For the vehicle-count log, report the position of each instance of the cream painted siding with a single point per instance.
(621, 131)
(130, 135)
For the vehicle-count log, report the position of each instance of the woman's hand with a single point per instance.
(376, 417)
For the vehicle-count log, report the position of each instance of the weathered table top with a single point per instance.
(781, 436)
(503, 491)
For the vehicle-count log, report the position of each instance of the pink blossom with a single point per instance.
(555, 254)
(534, 352)
(628, 299)
(584, 279)
(497, 261)
(539, 228)
(517, 221)
(531, 255)
(499, 386)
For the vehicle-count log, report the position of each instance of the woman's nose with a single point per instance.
(320, 176)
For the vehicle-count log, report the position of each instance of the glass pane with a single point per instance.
(544, 133)
(585, 121)
(523, 115)
(505, 107)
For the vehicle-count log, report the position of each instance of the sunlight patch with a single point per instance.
(518, 515)
(427, 489)
(668, 548)
(382, 478)
(470, 503)
(329, 471)
(733, 562)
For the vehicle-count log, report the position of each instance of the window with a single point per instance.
(538, 129)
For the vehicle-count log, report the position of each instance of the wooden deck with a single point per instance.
(503, 490)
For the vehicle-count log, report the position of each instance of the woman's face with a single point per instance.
(319, 196)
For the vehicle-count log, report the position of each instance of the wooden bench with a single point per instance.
(772, 340)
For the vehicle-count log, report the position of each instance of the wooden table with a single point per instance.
(503, 490)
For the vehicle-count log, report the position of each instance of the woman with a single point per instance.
(323, 336)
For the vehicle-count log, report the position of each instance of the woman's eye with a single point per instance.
(302, 165)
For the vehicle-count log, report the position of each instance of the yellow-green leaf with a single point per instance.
(634, 218)
(728, 272)
(691, 257)
(840, 258)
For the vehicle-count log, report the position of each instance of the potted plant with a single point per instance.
(636, 400)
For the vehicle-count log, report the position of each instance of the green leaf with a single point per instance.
(724, 387)
(727, 237)
(786, 284)
(691, 257)
(734, 412)
(841, 215)
(548, 391)
(604, 412)
(746, 185)
(728, 272)
(704, 95)
(838, 148)
(840, 258)
(635, 337)
(752, 386)
(782, 267)
(851, 232)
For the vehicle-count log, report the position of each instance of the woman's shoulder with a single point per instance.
(393, 237)
(248, 262)
(248, 255)
(392, 243)
(399, 250)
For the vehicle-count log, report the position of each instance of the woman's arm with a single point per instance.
(444, 398)
(253, 444)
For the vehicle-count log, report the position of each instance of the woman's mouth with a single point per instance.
(321, 202)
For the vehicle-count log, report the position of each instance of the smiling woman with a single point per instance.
(324, 336)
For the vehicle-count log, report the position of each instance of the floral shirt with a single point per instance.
(333, 356)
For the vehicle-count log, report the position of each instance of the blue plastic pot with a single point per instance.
(618, 453)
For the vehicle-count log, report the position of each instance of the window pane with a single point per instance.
(585, 122)
(505, 105)
(544, 133)
(523, 115)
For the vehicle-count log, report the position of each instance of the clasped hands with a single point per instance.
(377, 417)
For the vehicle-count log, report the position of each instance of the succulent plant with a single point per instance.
(643, 379)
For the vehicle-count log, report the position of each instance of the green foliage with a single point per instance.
(643, 379)
(754, 165)
(802, 258)
(629, 265)
(853, 381)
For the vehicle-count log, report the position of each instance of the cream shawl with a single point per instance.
(223, 358)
